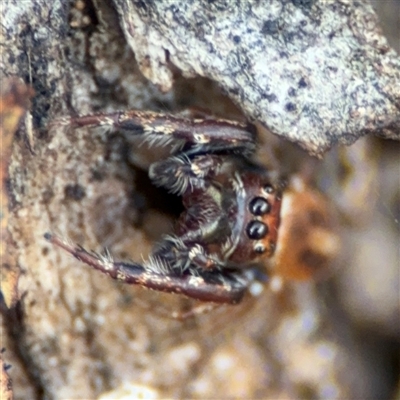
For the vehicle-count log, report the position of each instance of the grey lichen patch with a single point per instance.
(346, 77)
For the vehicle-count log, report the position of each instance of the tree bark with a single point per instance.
(76, 334)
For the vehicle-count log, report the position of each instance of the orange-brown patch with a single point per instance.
(307, 241)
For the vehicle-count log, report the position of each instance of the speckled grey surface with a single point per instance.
(316, 73)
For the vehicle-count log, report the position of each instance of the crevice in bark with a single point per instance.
(15, 329)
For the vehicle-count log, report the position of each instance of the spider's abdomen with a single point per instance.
(308, 239)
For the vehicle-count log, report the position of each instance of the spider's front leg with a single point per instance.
(226, 288)
(202, 134)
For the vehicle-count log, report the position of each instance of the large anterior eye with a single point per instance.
(256, 230)
(259, 206)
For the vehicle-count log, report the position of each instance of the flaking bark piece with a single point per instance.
(14, 101)
(314, 72)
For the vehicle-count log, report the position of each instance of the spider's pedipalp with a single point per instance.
(181, 173)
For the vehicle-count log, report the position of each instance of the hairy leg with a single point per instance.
(204, 134)
(210, 287)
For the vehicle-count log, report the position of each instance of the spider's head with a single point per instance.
(264, 218)
(292, 228)
(259, 213)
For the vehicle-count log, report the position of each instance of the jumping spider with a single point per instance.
(233, 211)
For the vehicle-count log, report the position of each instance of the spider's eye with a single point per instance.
(259, 206)
(268, 188)
(259, 249)
(256, 230)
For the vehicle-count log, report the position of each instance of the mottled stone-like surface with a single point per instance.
(76, 334)
(315, 72)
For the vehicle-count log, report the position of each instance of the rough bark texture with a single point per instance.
(76, 334)
(314, 72)
(14, 103)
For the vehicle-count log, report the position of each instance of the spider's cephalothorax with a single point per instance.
(232, 207)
